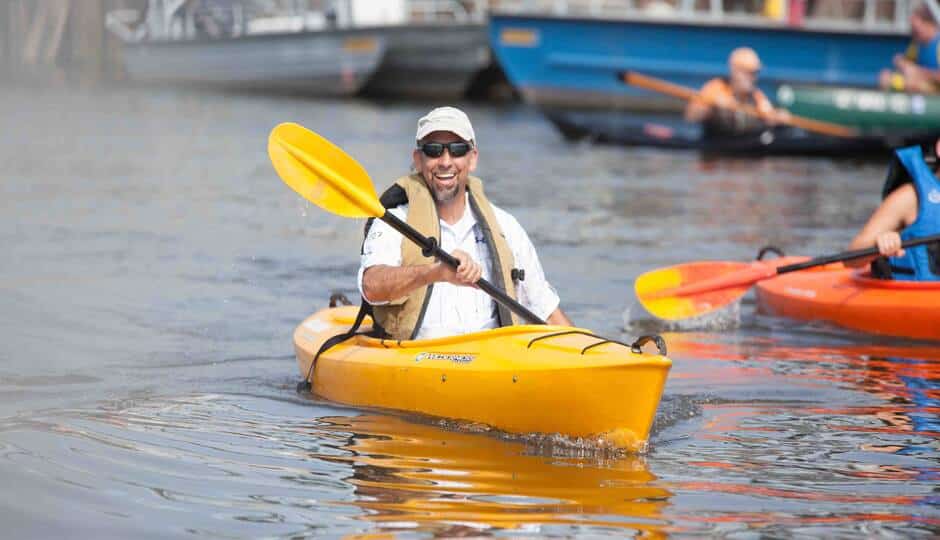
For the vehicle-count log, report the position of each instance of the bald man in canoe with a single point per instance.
(718, 104)
(415, 297)
(910, 209)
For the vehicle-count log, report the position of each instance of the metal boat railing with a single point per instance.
(188, 19)
(172, 20)
(840, 15)
(444, 10)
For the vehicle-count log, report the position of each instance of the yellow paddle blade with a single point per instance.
(694, 289)
(322, 172)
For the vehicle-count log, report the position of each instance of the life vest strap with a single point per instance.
(364, 309)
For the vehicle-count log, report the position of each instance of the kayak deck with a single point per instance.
(853, 299)
(520, 379)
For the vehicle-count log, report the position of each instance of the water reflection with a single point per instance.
(155, 267)
(827, 418)
(409, 474)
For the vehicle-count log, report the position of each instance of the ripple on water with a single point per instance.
(178, 248)
(230, 465)
(832, 442)
(222, 465)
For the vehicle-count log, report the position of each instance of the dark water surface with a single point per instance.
(153, 268)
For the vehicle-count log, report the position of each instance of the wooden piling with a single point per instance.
(56, 40)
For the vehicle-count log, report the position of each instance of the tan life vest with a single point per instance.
(402, 318)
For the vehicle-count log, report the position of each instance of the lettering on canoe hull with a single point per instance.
(878, 102)
(805, 293)
(457, 358)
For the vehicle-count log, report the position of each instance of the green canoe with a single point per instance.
(871, 111)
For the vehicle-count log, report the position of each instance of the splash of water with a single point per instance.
(638, 320)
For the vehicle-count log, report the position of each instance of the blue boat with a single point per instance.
(573, 60)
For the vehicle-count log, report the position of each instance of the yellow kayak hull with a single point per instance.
(499, 377)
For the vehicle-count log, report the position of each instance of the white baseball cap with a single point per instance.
(449, 119)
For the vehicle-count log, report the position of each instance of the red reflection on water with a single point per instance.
(904, 421)
(755, 518)
(764, 491)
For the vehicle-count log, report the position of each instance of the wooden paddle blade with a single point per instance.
(693, 289)
(322, 172)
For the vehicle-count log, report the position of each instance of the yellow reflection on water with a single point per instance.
(418, 476)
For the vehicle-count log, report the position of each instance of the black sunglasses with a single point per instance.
(435, 149)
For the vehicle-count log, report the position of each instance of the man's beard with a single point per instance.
(442, 195)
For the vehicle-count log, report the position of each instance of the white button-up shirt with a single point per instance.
(454, 309)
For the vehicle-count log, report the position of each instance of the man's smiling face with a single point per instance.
(446, 175)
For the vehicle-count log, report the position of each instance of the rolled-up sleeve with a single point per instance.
(382, 246)
(533, 292)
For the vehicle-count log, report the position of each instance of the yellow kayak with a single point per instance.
(519, 379)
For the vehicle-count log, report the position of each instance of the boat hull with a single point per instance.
(329, 63)
(867, 110)
(576, 62)
(665, 131)
(498, 377)
(430, 61)
(852, 299)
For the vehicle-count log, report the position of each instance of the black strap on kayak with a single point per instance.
(881, 268)
(364, 309)
(933, 256)
(769, 249)
(635, 347)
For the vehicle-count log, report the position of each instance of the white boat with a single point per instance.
(396, 47)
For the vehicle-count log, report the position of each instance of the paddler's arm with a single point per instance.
(897, 211)
(558, 318)
(533, 290)
(700, 107)
(768, 112)
(933, 75)
(384, 283)
(697, 111)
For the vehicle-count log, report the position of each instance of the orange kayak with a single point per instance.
(853, 299)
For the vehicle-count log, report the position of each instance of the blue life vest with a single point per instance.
(928, 55)
(919, 263)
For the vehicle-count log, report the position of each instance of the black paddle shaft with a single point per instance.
(856, 254)
(430, 247)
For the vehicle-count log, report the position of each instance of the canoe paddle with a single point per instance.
(692, 289)
(325, 175)
(683, 92)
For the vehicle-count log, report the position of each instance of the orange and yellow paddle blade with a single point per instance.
(322, 172)
(693, 289)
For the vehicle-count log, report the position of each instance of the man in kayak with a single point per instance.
(918, 69)
(910, 209)
(718, 104)
(414, 296)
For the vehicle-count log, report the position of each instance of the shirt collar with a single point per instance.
(466, 221)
